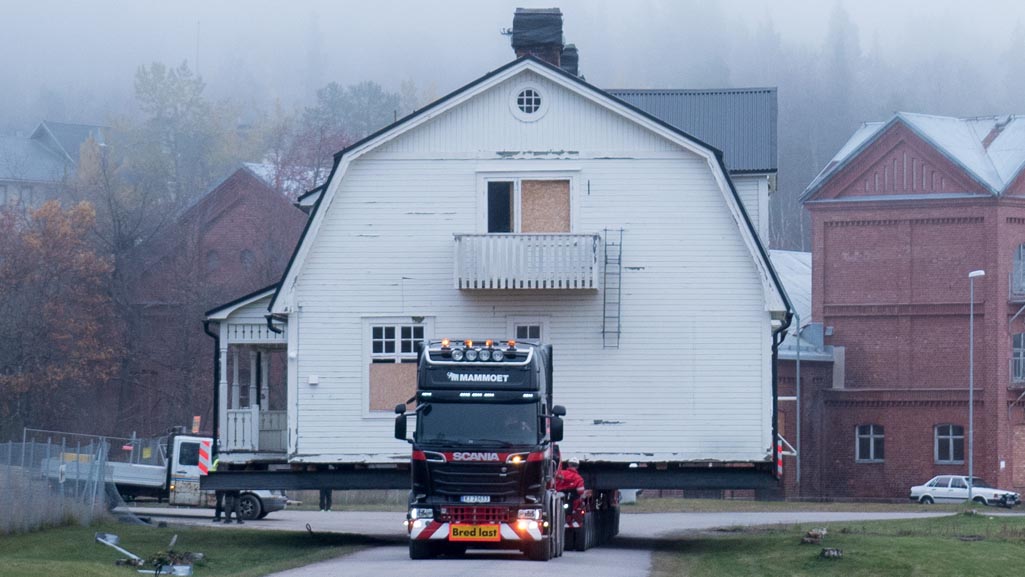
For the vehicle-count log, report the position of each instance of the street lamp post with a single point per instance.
(971, 378)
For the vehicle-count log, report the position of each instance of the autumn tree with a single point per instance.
(59, 344)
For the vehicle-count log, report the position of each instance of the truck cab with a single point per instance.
(482, 450)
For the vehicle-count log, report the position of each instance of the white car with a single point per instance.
(954, 489)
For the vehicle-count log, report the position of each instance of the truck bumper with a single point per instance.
(519, 532)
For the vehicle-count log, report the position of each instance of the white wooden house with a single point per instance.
(532, 205)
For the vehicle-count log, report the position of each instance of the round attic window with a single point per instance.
(528, 103)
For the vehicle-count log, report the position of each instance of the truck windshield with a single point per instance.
(483, 424)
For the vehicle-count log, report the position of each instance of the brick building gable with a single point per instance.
(897, 162)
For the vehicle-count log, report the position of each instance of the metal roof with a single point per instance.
(794, 270)
(991, 149)
(739, 121)
(24, 159)
(70, 137)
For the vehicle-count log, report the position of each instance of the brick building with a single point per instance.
(900, 216)
(235, 239)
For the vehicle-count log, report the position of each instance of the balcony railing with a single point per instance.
(527, 261)
(242, 433)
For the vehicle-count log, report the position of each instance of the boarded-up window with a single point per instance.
(391, 384)
(393, 364)
(544, 206)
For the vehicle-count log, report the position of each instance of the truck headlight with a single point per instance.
(471, 355)
(534, 514)
(421, 513)
(457, 354)
(498, 356)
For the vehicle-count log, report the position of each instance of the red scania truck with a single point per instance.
(484, 455)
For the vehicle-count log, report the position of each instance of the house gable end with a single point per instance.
(776, 300)
(897, 163)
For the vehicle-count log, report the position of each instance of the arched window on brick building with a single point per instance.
(949, 445)
(869, 444)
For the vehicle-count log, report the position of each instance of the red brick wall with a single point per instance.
(173, 357)
(891, 277)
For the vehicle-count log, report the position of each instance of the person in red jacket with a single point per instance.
(569, 481)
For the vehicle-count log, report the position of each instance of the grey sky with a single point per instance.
(90, 50)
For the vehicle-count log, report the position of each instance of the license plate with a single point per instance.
(460, 532)
(475, 498)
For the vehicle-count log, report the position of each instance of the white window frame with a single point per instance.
(514, 105)
(949, 439)
(875, 433)
(516, 178)
(1018, 358)
(368, 356)
(517, 321)
(1018, 271)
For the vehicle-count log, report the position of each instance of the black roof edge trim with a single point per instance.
(302, 239)
(437, 103)
(240, 299)
(758, 243)
(312, 191)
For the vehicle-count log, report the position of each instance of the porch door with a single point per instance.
(544, 206)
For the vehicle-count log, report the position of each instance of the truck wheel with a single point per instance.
(421, 550)
(540, 550)
(250, 507)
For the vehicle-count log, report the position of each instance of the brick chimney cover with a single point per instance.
(537, 27)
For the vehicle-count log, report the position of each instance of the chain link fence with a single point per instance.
(53, 478)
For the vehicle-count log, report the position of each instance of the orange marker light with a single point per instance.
(488, 343)
(444, 343)
(512, 344)
(469, 343)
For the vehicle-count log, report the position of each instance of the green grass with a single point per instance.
(947, 546)
(673, 505)
(73, 552)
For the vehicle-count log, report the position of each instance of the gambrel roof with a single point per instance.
(739, 121)
(990, 149)
(775, 294)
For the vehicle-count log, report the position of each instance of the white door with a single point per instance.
(958, 489)
(185, 472)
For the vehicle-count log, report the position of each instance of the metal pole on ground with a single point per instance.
(971, 378)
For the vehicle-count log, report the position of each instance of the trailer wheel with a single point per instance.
(250, 507)
(580, 535)
(421, 550)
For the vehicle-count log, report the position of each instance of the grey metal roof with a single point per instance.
(794, 270)
(739, 121)
(68, 138)
(24, 159)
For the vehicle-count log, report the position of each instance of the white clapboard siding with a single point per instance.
(691, 380)
(754, 194)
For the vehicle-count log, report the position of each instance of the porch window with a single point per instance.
(1018, 358)
(949, 445)
(528, 206)
(392, 370)
(869, 447)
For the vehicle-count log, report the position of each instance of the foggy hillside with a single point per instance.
(836, 64)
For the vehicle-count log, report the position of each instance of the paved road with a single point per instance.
(628, 556)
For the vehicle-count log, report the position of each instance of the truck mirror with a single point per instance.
(556, 429)
(559, 411)
(400, 427)
(400, 408)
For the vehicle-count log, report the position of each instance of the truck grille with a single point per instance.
(492, 479)
(475, 515)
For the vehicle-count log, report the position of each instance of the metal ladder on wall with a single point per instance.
(612, 289)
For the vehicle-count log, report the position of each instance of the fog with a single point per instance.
(836, 63)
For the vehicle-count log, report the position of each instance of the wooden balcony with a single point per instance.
(527, 261)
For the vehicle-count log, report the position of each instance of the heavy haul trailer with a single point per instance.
(483, 467)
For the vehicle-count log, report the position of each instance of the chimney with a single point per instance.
(538, 32)
(570, 60)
